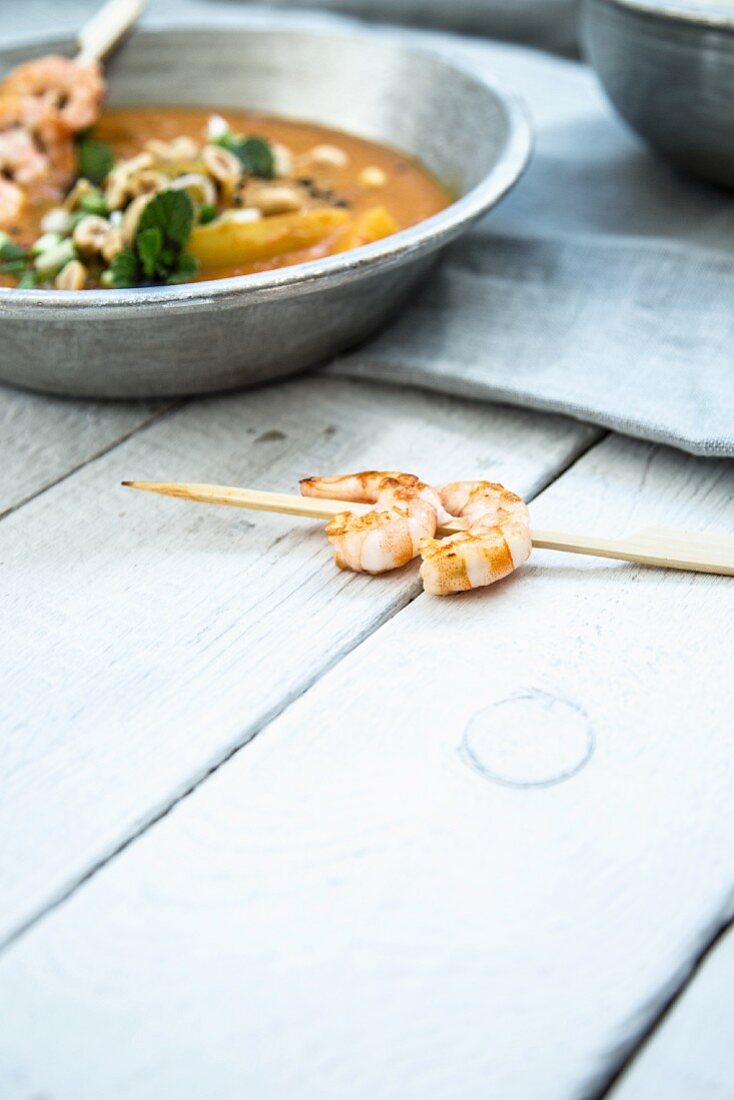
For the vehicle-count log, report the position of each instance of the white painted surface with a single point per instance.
(351, 908)
(43, 438)
(691, 1055)
(143, 639)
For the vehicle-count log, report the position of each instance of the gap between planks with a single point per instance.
(608, 1089)
(201, 776)
(680, 975)
(149, 421)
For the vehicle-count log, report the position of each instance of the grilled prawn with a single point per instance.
(407, 512)
(496, 542)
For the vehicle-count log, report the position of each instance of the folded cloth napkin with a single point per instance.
(602, 287)
(635, 337)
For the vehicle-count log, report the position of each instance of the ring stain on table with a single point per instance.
(528, 739)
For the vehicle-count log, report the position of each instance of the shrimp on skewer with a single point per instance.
(495, 543)
(407, 512)
(20, 157)
(58, 89)
(43, 105)
(12, 201)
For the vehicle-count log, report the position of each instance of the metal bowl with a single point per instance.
(231, 332)
(668, 67)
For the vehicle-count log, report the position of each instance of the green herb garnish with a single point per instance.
(10, 252)
(12, 267)
(188, 265)
(93, 203)
(29, 279)
(207, 213)
(173, 213)
(52, 259)
(14, 260)
(149, 243)
(95, 159)
(158, 255)
(124, 270)
(255, 154)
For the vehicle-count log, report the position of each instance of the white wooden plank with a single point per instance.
(354, 907)
(690, 1056)
(143, 639)
(42, 439)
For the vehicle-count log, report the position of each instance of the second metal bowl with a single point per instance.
(230, 332)
(668, 67)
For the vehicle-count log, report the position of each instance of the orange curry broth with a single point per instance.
(410, 194)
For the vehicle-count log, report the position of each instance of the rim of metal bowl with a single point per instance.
(442, 226)
(712, 16)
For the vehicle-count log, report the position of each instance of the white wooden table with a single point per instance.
(273, 831)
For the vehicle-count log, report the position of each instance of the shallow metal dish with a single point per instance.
(232, 332)
(668, 67)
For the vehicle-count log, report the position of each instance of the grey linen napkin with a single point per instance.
(603, 287)
(637, 338)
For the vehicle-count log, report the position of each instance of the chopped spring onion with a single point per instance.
(217, 127)
(93, 203)
(48, 240)
(57, 220)
(51, 260)
(29, 279)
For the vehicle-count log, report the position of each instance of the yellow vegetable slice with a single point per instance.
(229, 244)
(372, 225)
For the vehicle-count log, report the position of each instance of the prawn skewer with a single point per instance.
(662, 547)
(46, 103)
(391, 535)
(107, 27)
(496, 542)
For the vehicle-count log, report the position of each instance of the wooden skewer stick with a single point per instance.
(106, 28)
(660, 546)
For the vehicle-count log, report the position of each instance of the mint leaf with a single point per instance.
(157, 255)
(95, 159)
(254, 153)
(167, 260)
(172, 212)
(207, 213)
(149, 243)
(124, 270)
(188, 265)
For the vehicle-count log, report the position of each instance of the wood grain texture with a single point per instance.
(42, 439)
(144, 639)
(690, 1056)
(470, 862)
